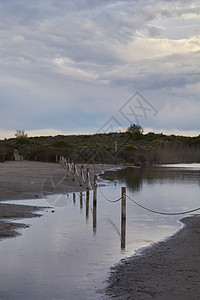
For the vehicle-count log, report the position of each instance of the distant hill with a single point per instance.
(126, 148)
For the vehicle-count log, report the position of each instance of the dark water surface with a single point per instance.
(67, 254)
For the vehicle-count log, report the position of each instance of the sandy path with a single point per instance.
(169, 270)
(30, 180)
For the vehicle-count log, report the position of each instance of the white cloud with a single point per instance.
(17, 40)
(173, 131)
(143, 47)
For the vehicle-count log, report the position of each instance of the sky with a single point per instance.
(87, 66)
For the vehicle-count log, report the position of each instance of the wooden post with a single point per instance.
(123, 218)
(87, 177)
(74, 172)
(81, 200)
(81, 184)
(95, 204)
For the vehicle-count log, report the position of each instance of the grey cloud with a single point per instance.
(155, 31)
(89, 35)
(81, 30)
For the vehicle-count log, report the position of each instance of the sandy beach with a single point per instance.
(31, 180)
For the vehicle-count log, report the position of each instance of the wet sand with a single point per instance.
(10, 211)
(169, 270)
(31, 180)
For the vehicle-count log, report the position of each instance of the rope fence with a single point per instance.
(149, 209)
(73, 169)
(76, 171)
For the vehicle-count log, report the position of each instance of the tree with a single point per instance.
(135, 131)
(21, 133)
(22, 138)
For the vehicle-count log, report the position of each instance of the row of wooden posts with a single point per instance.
(123, 210)
(65, 163)
(72, 168)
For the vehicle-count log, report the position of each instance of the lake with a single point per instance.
(68, 252)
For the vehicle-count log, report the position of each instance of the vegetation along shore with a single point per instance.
(132, 147)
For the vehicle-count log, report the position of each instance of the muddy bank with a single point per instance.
(167, 270)
(9, 211)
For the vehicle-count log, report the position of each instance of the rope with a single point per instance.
(162, 213)
(112, 201)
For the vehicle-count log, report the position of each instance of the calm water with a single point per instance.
(66, 254)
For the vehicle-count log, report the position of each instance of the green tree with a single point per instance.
(22, 138)
(135, 131)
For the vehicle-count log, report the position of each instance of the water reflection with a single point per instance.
(123, 218)
(94, 212)
(134, 177)
(81, 201)
(87, 204)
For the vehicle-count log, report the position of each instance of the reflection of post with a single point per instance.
(123, 218)
(87, 177)
(74, 198)
(87, 204)
(95, 204)
(74, 172)
(81, 184)
(81, 200)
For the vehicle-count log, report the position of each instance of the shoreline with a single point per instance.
(169, 269)
(11, 211)
(22, 180)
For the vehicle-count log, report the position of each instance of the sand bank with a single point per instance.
(169, 270)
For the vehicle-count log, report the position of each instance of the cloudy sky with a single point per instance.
(86, 66)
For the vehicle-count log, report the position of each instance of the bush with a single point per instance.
(6, 151)
(2, 158)
(61, 144)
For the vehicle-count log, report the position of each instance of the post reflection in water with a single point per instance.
(95, 205)
(123, 219)
(94, 216)
(122, 235)
(81, 200)
(74, 198)
(87, 204)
